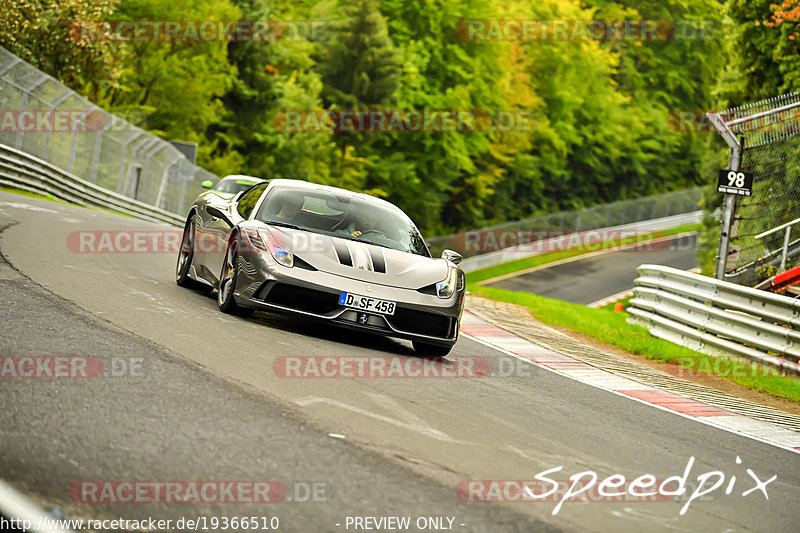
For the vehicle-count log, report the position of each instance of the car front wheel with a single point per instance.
(227, 284)
(185, 255)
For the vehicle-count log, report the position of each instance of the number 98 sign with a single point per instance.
(735, 182)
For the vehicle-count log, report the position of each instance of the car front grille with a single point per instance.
(422, 323)
(302, 299)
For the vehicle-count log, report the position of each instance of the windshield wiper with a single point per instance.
(282, 224)
(362, 241)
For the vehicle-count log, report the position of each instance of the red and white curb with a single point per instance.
(519, 348)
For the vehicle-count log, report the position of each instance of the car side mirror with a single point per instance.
(453, 257)
(207, 184)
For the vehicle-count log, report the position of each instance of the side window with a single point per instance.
(249, 199)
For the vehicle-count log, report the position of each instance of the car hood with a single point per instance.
(361, 261)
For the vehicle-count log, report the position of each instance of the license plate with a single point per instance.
(367, 303)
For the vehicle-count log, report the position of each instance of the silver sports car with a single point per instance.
(326, 253)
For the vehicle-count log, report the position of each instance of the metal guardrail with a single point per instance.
(26, 172)
(718, 317)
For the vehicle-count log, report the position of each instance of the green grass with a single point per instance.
(611, 328)
(29, 194)
(623, 301)
(51, 198)
(530, 262)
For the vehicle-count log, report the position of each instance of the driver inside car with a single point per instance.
(365, 222)
(290, 208)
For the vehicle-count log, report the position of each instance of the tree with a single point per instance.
(49, 36)
(176, 82)
(786, 19)
(360, 71)
(272, 77)
(760, 62)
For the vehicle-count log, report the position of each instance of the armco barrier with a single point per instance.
(718, 317)
(26, 172)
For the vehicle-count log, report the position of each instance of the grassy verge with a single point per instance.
(530, 262)
(29, 194)
(611, 328)
(51, 198)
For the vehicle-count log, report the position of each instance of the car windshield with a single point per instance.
(342, 215)
(233, 186)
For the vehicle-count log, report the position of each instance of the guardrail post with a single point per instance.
(138, 170)
(730, 199)
(123, 157)
(20, 133)
(785, 248)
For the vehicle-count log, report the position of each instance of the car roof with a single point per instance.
(242, 177)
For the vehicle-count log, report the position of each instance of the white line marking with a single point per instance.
(413, 422)
(613, 298)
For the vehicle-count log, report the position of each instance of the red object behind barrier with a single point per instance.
(784, 279)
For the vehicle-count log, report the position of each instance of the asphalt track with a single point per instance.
(597, 276)
(206, 404)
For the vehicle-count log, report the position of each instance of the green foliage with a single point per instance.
(601, 128)
(360, 71)
(48, 35)
(176, 83)
(357, 62)
(272, 77)
(763, 60)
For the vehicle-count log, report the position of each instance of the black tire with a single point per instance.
(436, 350)
(185, 255)
(227, 282)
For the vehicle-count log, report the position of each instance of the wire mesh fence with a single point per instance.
(43, 117)
(767, 132)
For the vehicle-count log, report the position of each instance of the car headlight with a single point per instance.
(446, 287)
(282, 256)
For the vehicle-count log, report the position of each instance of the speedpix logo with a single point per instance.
(587, 486)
